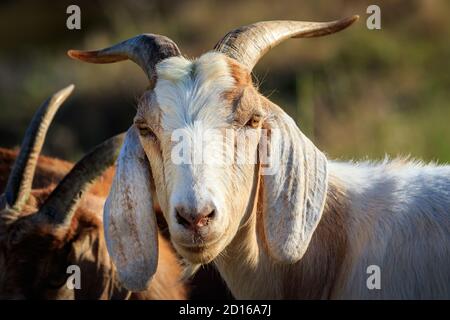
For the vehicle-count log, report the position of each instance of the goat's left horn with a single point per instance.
(20, 180)
(248, 44)
(146, 50)
(61, 204)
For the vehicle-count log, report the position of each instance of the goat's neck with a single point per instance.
(251, 273)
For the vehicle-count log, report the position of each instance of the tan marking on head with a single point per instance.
(244, 98)
(242, 78)
(239, 73)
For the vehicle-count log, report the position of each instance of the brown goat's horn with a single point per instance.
(248, 44)
(62, 202)
(20, 180)
(146, 50)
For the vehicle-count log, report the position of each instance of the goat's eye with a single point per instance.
(145, 131)
(254, 121)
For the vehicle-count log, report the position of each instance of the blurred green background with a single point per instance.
(359, 93)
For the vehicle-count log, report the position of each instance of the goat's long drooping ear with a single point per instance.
(248, 44)
(295, 189)
(129, 220)
(146, 50)
(61, 204)
(21, 177)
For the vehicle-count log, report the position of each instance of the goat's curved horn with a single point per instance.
(62, 202)
(146, 50)
(20, 180)
(248, 44)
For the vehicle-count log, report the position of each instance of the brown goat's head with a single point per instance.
(203, 141)
(44, 231)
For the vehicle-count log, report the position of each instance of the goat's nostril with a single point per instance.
(194, 219)
(212, 214)
(205, 220)
(181, 220)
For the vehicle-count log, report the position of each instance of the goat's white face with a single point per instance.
(195, 107)
(191, 130)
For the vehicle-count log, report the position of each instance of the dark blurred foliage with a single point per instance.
(357, 93)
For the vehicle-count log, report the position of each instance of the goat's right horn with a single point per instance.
(21, 177)
(248, 44)
(146, 50)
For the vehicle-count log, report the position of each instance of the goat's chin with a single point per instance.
(200, 254)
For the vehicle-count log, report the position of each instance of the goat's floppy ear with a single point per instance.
(294, 190)
(129, 220)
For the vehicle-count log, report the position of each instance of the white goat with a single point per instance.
(310, 229)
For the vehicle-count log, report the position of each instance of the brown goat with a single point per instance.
(56, 224)
(50, 171)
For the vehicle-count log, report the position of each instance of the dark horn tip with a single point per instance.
(82, 55)
(74, 54)
(96, 56)
(348, 21)
(61, 95)
(353, 18)
(66, 91)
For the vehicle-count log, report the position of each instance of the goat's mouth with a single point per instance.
(203, 252)
(198, 245)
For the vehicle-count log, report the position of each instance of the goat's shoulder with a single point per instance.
(395, 193)
(396, 204)
(398, 185)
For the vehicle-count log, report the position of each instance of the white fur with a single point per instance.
(190, 99)
(188, 91)
(399, 220)
(396, 213)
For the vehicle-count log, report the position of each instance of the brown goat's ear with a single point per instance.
(129, 220)
(293, 190)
